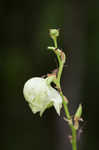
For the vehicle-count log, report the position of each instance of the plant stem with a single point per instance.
(55, 42)
(74, 144)
(69, 118)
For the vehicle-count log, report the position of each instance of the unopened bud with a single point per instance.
(54, 33)
(78, 113)
(77, 117)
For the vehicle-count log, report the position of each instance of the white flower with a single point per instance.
(40, 95)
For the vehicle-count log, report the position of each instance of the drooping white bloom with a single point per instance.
(40, 95)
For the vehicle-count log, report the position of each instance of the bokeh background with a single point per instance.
(23, 54)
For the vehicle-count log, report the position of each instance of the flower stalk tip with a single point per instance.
(54, 33)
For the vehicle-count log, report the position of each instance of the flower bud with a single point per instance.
(40, 95)
(77, 117)
(54, 33)
(78, 113)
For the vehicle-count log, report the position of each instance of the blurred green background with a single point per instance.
(23, 54)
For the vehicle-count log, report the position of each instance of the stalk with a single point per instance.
(65, 104)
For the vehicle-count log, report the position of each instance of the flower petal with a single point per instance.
(40, 95)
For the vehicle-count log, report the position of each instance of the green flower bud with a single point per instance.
(54, 33)
(77, 117)
(78, 113)
(40, 95)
